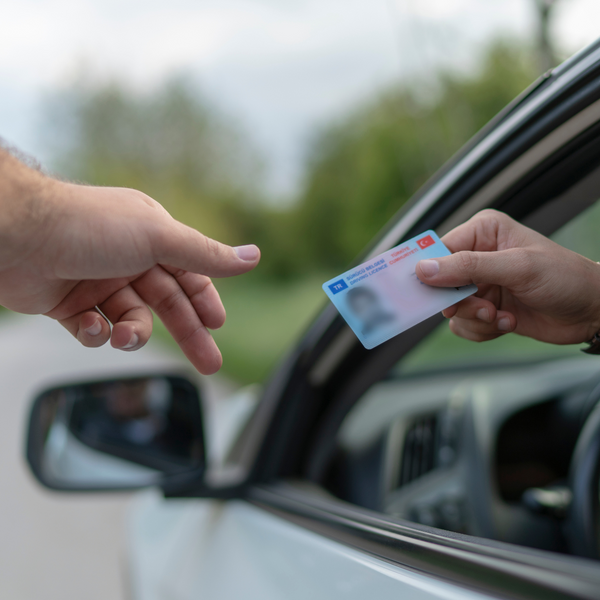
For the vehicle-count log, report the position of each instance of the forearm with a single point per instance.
(25, 206)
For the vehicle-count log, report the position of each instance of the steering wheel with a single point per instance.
(583, 518)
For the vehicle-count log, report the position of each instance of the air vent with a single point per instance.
(419, 452)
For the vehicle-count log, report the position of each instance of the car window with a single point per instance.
(458, 432)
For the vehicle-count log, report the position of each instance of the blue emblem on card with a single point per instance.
(338, 286)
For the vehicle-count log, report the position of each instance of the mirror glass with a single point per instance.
(113, 434)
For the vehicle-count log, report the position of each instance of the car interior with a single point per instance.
(481, 439)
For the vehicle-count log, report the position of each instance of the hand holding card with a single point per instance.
(383, 297)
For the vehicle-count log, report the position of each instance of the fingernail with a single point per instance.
(504, 324)
(429, 267)
(483, 314)
(133, 342)
(94, 329)
(248, 253)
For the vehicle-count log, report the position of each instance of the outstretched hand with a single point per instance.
(527, 283)
(89, 256)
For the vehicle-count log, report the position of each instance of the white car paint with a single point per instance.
(212, 550)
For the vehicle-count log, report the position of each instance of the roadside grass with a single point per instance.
(263, 319)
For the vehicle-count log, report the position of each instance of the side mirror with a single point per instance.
(117, 434)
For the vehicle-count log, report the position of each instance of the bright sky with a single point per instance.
(280, 67)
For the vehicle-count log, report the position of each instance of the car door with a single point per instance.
(296, 531)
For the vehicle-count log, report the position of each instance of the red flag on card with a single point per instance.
(425, 242)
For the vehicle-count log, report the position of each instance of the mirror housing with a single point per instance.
(119, 434)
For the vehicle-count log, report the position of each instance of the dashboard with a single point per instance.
(459, 449)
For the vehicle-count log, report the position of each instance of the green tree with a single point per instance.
(365, 167)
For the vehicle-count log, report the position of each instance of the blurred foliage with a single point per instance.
(175, 146)
(364, 168)
(170, 143)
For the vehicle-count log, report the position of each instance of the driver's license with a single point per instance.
(383, 297)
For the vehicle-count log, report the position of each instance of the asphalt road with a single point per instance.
(52, 545)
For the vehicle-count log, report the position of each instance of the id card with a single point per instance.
(384, 297)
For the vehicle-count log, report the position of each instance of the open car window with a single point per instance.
(458, 432)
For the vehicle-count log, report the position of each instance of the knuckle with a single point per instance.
(486, 218)
(189, 335)
(168, 303)
(467, 262)
(487, 224)
(454, 328)
(524, 260)
(464, 328)
(204, 290)
(213, 248)
(144, 198)
(489, 213)
(492, 217)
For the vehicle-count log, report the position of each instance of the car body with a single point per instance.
(418, 469)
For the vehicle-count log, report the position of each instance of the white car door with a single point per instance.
(206, 549)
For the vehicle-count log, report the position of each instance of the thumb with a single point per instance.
(182, 247)
(505, 268)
